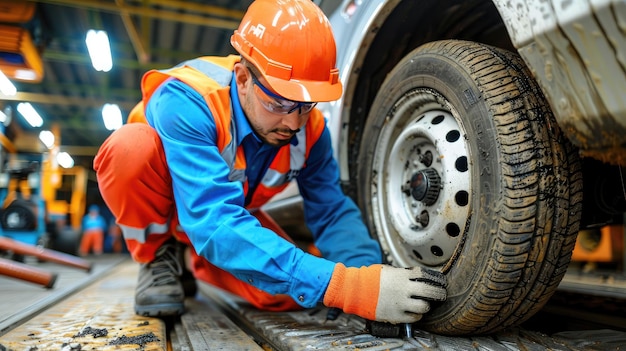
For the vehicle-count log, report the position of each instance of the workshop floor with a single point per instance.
(20, 300)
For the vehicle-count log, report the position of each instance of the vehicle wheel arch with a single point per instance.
(379, 53)
(403, 25)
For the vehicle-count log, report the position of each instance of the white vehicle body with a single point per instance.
(575, 49)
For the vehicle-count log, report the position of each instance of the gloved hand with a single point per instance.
(385, 293)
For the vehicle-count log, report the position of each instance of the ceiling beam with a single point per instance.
(210, 10)
(140, 49)
(80, 150)
(87, 91)
(168, 15)
(80, 58)
(53, 99)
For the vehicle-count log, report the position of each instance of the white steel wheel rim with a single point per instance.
(421, 230)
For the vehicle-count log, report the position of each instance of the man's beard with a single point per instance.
(280, 143)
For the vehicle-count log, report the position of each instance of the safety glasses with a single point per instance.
(277, 104)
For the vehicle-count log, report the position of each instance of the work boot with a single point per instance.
(159, 288)
(187, 278)
(189, 283)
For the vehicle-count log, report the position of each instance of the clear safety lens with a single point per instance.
(277, 104)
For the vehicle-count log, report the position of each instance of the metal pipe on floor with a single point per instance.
(24, 272)
(44, 254)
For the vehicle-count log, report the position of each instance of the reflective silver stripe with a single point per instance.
(223, 77)
(140, 234)
(237, 175)
(229, 154)
(273, 178)
(297, 154)
(219, 74)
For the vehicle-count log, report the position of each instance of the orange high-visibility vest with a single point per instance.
(211, 77)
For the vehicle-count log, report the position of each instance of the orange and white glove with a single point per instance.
(385, 293)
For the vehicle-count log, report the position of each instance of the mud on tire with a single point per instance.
(464, 169)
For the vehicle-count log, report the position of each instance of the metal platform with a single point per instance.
(95, 315)
(309, 330)
(21, 300)
(98, 314)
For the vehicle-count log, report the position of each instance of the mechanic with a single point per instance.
(93, 228)
(217, 138)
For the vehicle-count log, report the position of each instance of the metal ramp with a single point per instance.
(309, 330)
(100, 316)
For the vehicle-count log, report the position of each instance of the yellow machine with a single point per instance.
(70, 181)
(42, 203)
(64, 193)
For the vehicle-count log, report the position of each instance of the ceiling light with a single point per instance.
(99, 50)
(25, 74)
(29, 113)
(6, 117)
(112, 116)
(65, 160)
(6, 87)
(47, 138)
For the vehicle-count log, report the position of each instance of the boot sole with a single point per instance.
(160, 310)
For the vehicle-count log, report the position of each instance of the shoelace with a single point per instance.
(165, 268)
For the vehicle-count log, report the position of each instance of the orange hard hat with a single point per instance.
(291, 43)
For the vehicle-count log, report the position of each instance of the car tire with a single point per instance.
(464, 169)
(20, 215)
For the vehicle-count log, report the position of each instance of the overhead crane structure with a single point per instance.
(144, 35)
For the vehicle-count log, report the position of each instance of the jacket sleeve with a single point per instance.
(211, 208)
(333, 218)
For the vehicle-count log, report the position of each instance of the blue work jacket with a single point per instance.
(212, 211)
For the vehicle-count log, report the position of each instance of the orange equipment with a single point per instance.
(601, 245)
(20, 58)
(292, 45)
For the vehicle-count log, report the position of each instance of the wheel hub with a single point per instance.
(425, 186)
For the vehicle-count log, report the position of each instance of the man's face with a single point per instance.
(275, 121)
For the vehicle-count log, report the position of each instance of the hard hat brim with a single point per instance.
(305, 91)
